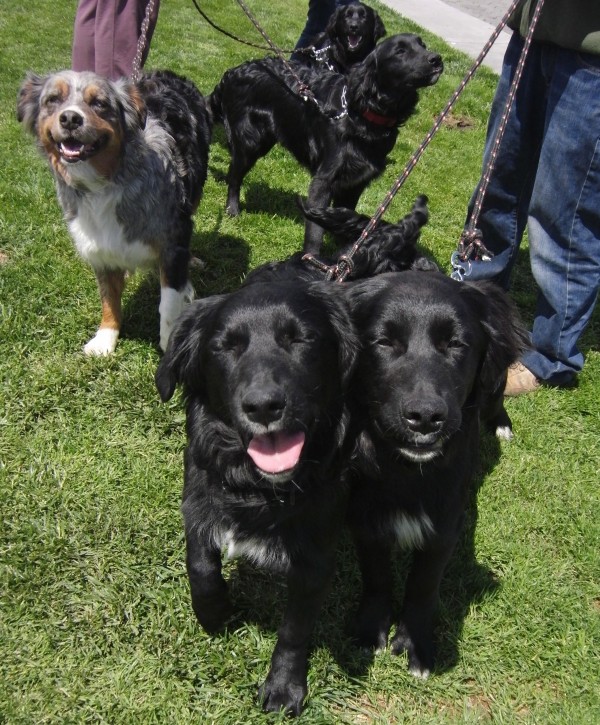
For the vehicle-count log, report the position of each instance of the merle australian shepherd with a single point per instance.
(130, 162)
(344, 141)
(351, 34)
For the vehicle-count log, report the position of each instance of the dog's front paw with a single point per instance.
(103, 343)
(277, 694)
(420, 654)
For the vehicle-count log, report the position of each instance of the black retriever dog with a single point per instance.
(260, 107)
(434, 352)
(264, 371)
(351, 34)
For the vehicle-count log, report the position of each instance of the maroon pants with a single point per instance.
(105, 35)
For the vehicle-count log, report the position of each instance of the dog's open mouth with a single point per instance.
(72, 150)
(276, 452)
(354, 41)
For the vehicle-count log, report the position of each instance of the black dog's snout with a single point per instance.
(264, 404)
(70, 120)
(425, 416)
(435, 59)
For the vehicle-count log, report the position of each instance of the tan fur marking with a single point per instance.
(111, 285)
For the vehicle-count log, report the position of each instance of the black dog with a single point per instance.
(264, 371)
(434, 351)
(351, 34)
(387, 248)
(259, 107)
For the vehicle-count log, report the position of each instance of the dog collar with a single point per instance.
(388, 121)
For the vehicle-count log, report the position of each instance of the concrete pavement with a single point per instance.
(464, 24)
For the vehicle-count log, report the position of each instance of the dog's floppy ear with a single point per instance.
(379, 30)
(339, 316)
(181, 361)
(331, 28)
(132, 103)
(507, 337)
(28, 101)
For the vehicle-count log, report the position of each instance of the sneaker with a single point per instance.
(520, 380)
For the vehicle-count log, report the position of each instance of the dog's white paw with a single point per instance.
(504, 433)
(103, 343)
(421, 674)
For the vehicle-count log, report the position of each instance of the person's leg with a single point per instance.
(83, 52)
(503, 213)
(564, 218)
(118, 26)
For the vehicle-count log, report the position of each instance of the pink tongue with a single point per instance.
(276, 452)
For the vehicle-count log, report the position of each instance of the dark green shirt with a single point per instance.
(572, 24)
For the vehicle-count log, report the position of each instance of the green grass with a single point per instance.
(95, 619)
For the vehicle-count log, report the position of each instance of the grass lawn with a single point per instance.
(95, 619)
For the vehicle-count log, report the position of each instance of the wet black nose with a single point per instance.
(425, 416)
(264, 405)
(435, 59)
(70, 120)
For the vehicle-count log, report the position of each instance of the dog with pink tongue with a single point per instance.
(264, 372)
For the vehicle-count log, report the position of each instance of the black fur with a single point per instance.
(264, 360)
(351, 34)
(260, 106)
(434, 352)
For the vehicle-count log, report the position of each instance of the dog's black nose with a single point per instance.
(264, 405)
(425, 416)
(435, 59)
(71, 120)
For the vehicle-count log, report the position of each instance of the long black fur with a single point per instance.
(434, 353)
(268, 357)
(260, 106)
(351, 34)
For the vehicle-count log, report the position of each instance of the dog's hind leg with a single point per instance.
(244, 154)
(175, 289)
(110, 285)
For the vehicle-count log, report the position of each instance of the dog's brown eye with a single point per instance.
(52, 100)
(99, 104)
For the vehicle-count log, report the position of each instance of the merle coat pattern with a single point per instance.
(351, 34)
(259, 107)
(129, 162)
(264, 371)
(434, 352)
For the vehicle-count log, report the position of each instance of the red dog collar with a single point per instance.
(388, 121)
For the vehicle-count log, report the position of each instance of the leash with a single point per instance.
(345, 266)
(470, 245)
(136, 66)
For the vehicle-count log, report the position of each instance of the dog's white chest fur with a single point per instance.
(411, 532)
(100, 238)
(257, 551)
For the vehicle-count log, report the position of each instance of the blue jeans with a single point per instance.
(547, 176)
(319, 12)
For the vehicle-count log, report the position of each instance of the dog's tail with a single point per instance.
(388, 248)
